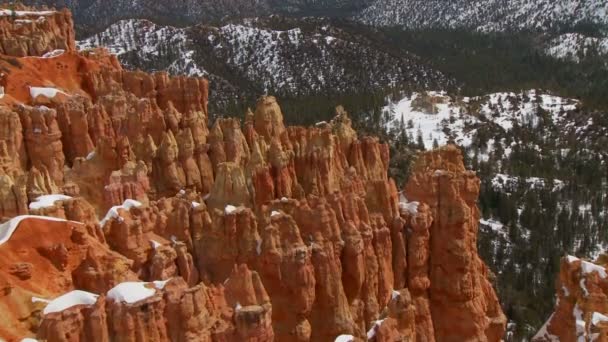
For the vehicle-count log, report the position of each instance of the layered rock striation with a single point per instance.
(154, 224)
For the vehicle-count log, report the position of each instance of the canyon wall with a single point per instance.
(129, 217)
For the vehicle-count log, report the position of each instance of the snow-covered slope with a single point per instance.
(286, 57)
(576, 46)
(438, 118)
(486, 15)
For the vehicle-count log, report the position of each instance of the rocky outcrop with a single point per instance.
(580, 311)
(459, 284)
(31, 32)
(48, 257)
(253, 232)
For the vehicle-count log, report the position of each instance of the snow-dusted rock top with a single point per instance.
(8, 12)
(345, 338)
(46, 201)
(8, 228)
(371, 333)
(45, 91)
(69, 300)
(113, 212)
(132, 292)
(230, 209)
(588, 267)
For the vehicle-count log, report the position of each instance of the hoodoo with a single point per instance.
(149, 224)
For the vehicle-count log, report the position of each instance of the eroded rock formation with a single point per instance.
(238, 232)
(30, 32)
(581, 309)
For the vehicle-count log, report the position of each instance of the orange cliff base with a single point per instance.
(128, 218)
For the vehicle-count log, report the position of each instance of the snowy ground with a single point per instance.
(438, 117)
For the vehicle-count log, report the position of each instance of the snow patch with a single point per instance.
(8, 12)
(70, 299)
(155, 244)
(345, 338)
(53, 54)
(8, 228)
(598, 317)
(544, 335)
(46, 201)
(229, 209)
(45, 91)
(410, 207)
(132, 292)
(580, 324)
(113, 212)
(371, 333)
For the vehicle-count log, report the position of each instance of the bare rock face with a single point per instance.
(238, 232)
(580, 311)
(32, 32)
(459, 284)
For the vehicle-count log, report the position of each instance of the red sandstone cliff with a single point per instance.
(255, 231)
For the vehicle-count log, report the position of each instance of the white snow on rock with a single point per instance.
(27, 339)
(70, 299)
(275, 213)
(345, 338)
(581, 331)
(410, 207)
(229, 209)
(54, 53)
(571, 258)
(46, 201)
(113, 212)
(588, 267)
(8, 12)
(40, 300)
(544, 335)
(91, 155)
(597, 317)
(8, 228)
(284, 200)
(45, 91)
(371, 333)
(155, 244)
(133, 292)
(395, 294)
(195, 204)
